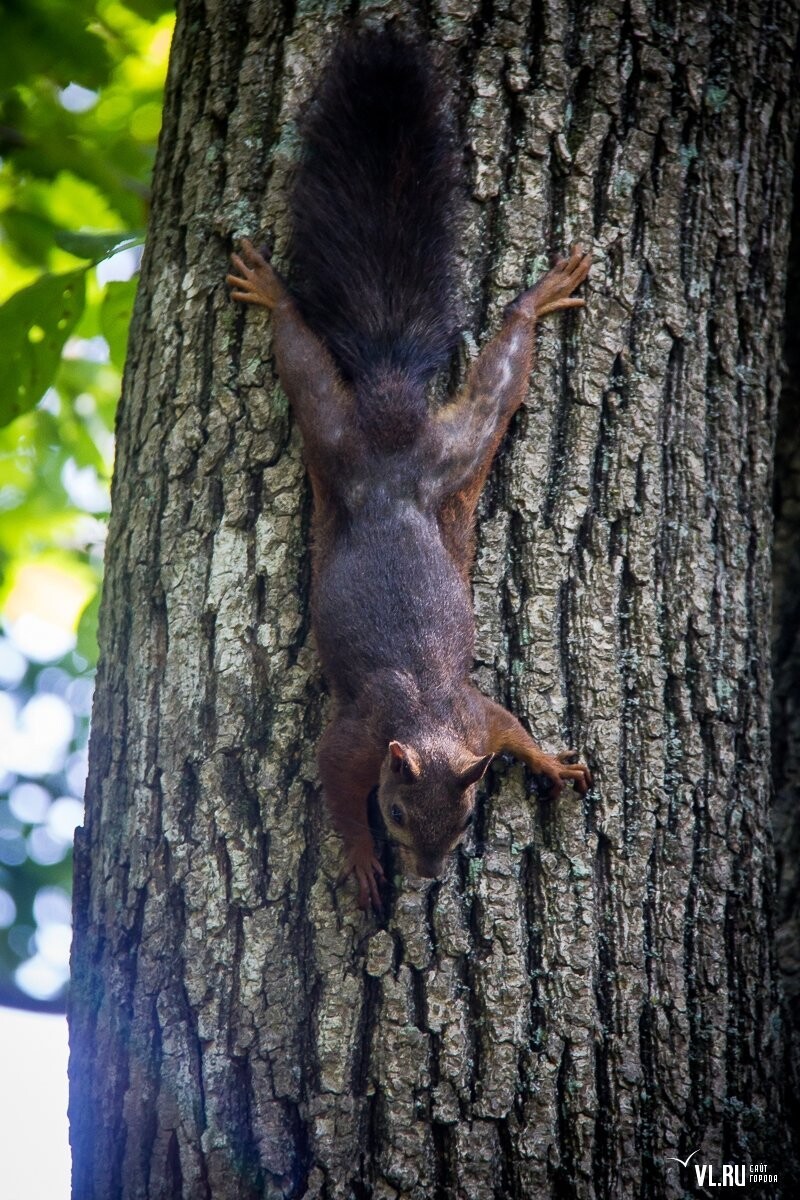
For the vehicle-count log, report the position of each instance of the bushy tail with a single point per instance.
(374, 208)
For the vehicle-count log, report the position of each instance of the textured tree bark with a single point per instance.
(786, 668)
(592, 989)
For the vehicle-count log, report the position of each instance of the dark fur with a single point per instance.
(395, 486)
(374, 208)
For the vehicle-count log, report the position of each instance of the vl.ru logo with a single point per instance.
(730, 1174)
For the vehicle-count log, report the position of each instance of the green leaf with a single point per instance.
(34, 236)
(51, 37)
(87, 628)
(149, 10)
(115, 317)
(34, 325)
(96, 246)
(31, 235)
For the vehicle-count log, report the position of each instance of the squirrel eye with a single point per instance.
(396, 813)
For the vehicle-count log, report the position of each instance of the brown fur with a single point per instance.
(391, 604)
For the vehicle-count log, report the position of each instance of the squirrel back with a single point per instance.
(374, 224)
(395, 487)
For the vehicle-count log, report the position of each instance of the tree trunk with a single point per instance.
(786, 670)
(591, 991)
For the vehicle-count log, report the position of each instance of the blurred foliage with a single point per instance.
(80, 111)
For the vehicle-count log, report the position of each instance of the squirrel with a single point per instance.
(370, 319)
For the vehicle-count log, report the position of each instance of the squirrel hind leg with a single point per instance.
(553, 292)
(255, 281)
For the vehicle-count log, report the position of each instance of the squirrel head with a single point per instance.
(427, 799)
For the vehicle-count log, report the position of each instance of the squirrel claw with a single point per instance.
(564, 768)
(255, 281)
(554, 290)
(361, 862)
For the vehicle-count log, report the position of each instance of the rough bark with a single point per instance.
(592, 988)
(786, 667)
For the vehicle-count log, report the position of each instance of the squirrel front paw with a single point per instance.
(362, 861)
(563, 768)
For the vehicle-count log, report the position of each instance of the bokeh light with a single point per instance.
(44, 722)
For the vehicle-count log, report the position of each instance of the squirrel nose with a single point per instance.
(430, 868)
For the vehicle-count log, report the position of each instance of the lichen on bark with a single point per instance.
(591, 989)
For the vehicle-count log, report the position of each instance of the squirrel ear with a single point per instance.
(405, 760)
(475, 771)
